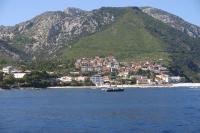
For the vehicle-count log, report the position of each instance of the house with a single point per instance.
(106, 69)
(175, 79)
(80, 78)
(136, 77)
(74, 73)
(19, 75)
(85, 69)
(8, 69)
(98, 68)
(66, 79)
(27, 71)
(162, 78)
(97, 80)
(106, 79)
(123, 75)
(143, 80)
(168, 79)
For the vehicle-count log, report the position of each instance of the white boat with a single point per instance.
(112, 89)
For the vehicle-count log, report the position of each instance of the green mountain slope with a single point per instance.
(135, 35)
(127, 38)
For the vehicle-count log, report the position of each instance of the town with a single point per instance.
(93, 72)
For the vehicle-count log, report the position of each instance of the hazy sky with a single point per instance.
(15, 11)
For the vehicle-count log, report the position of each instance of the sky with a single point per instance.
(15, 11)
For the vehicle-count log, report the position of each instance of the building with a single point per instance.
(74, 73)
(124, 75)
(80, 78)
(66, 79)
(106, 79)
(168, 79)
(19, 75)
(97, 80)
(8, 69)
(143, 80)
(85, 69)
(163, 78)
(175, 79)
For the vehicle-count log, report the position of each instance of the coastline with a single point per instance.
(193, 85)
(178, 85)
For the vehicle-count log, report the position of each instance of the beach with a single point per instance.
(196, 85)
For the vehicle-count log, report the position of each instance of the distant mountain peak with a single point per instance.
(74, 11)
(173, 21)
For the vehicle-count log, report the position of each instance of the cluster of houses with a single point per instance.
(101, 70)
(97, 64)
(108, 70)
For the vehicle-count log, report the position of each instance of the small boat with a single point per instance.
(113, 89)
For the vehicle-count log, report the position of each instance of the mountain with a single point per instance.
(128, 33)
(50, 31)
(173, 21)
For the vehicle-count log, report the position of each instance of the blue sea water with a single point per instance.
(153, 110)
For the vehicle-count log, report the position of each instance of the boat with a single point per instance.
(113, 89)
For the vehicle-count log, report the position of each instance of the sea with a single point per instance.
(136, 110)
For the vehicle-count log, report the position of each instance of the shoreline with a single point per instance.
(178, 85)
(193, 85)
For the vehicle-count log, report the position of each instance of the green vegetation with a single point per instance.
(77, 83)
(34, 79)
(126, 39)
(56, 66)
(5, 61)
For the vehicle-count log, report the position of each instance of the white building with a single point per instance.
(66, 79)
(19, 75)
(168, 79)
(124, 74)
(143, 80)
(97, 80)
(8, 69)
(175, 79)
(162, 78)
(80, 78)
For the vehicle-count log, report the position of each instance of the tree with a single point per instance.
(113, 75)
(1, 76)
(9, 80)
(37, 79)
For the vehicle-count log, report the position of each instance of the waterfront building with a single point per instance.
(163, 78)
(66, 79)
(168, 79)
(97, 80)
(143, 80)
(175, 79)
